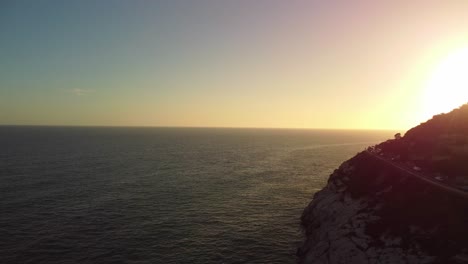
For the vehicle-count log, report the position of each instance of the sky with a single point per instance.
(222, 63)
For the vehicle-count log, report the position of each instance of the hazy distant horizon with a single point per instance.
(206, 127)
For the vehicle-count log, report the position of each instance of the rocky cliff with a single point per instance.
(372, 212)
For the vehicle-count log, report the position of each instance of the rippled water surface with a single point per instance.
(162, 195)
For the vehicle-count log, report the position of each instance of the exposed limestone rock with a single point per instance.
(372, 211)
(371, 214)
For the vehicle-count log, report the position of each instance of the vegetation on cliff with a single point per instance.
(372, 211)
(439, 146)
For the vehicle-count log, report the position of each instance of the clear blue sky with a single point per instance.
(318, 64)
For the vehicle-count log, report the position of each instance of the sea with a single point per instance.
(162, 195)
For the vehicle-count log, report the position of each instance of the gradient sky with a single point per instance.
(244, 63)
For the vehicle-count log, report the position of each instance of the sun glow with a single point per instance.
(447, 87)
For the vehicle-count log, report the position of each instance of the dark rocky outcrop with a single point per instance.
(371, 212)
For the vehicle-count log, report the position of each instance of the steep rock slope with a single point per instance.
(372, 212)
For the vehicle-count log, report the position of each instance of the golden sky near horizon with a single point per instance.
(287, 64)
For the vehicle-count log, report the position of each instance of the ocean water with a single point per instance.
(162, 195)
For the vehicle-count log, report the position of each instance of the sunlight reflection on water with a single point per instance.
(162, 195)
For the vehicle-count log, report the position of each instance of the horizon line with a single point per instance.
(202, 127)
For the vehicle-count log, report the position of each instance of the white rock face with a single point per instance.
(335, 226)
(341, 236)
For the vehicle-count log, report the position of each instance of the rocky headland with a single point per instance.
(402, 201)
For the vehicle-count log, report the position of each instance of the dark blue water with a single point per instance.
(162, 195)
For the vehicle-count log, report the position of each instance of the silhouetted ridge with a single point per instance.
(455, 122)
(402, 201)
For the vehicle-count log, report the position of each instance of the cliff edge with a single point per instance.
(402, 201)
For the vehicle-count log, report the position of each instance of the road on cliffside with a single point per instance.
(426, 179)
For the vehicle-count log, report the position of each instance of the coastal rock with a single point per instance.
(402, 201)
(370, 213)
